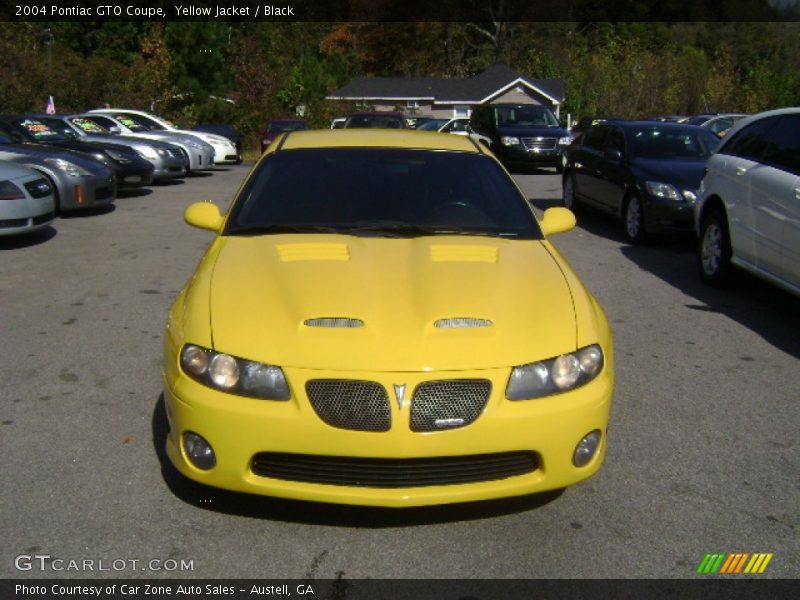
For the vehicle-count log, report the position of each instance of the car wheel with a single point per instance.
(715, 249)
(569, 191)
(634, 219)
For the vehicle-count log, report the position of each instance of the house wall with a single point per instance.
(521, 96)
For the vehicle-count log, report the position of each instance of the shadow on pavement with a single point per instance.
(296, 511)
(27, 240)
(95, 211)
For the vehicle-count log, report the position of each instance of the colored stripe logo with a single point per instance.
(734, 563)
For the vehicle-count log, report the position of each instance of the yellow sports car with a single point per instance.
(381, 320)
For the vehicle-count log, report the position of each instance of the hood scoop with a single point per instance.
(484, 254)
(299, 252)
(335, 322)
(462, 323)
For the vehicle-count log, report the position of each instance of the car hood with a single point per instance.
(264, 288)
(550, 132)
(685, 174)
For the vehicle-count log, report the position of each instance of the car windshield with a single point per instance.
(89, 126)
(525, 116)
(61, 127)
(133, 123)
(286, 126)
(383, 192)
(676, 143)
(40, 132)
(148, 122)
(374, 121)
(432, 125)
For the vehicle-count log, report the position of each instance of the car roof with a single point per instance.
(744, 122)
(377, 138)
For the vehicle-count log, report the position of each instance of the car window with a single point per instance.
(287, 126)
(374, 121)
(132, 123)
(369, 190)
(671, 143)
(615, 140)
(525, 116)
(595, 137)
(148, 122)
(40, 132)
(750, 142)
(88, 126)
(783, 144)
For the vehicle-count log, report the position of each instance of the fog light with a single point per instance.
(199, 451)
(586, 449)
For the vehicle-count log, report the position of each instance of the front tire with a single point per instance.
(715, 249)
(633, 216)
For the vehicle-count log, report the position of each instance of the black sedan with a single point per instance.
(130, 169)
(643, 172)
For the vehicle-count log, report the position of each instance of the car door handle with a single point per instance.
(741, 170)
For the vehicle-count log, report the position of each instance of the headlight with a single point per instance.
(663, 190)
(232, 374)
(147, 152)
(67, 167)
(690, 196)
(118, 156)
(9, 191)
(559, 374)
(508, 140)
(566, 140)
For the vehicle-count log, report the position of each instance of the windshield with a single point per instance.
(88, 126)
(384, 192)
(40, 132)
(148, 122)
(132, 123)
(432, 125)
(525, 116)
(676, 143)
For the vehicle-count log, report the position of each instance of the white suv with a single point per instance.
(748, 214)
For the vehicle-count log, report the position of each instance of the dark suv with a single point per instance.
(524, 134)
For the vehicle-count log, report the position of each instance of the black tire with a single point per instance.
(568, 192)
(714, 255)
(633, 219)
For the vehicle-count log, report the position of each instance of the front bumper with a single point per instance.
(200, 159)
(169, 167)
(24, 216)
(225, 154)
(665, 215)
(240, 428)
(84, 192)
(519, 154)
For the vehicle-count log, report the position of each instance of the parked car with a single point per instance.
(168, 160)
(224, 149)
(130, 170)
(427, 343)
(432, 125)
(461, 126)
(646, 173)
(26, 200)
(338, 122)
(522, 134)
(227, 131)
(375, 120)
(79, 183)
(199, 154)
(748, 215)
(279, 126)
(716, 123)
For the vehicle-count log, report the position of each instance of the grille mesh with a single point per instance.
(541, 143)
(448, 403)
(393, 472)
(350, 404)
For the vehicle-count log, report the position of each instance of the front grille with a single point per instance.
(541, 143)
(44, 218)
(350, 404)
(448, 403)
(38, 188)
(103, 193)
(8, 223)
(393, 472)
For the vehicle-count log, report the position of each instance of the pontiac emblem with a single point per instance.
(400, 393)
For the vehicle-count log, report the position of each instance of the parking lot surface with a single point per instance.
(702, 456)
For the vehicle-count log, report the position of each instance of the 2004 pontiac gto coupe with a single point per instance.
(381, 320)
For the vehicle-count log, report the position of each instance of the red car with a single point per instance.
(279, 126)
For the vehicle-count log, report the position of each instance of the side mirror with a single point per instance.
(557, 220)
(204, 215)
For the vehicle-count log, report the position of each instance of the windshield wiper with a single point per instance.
(274, 229)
